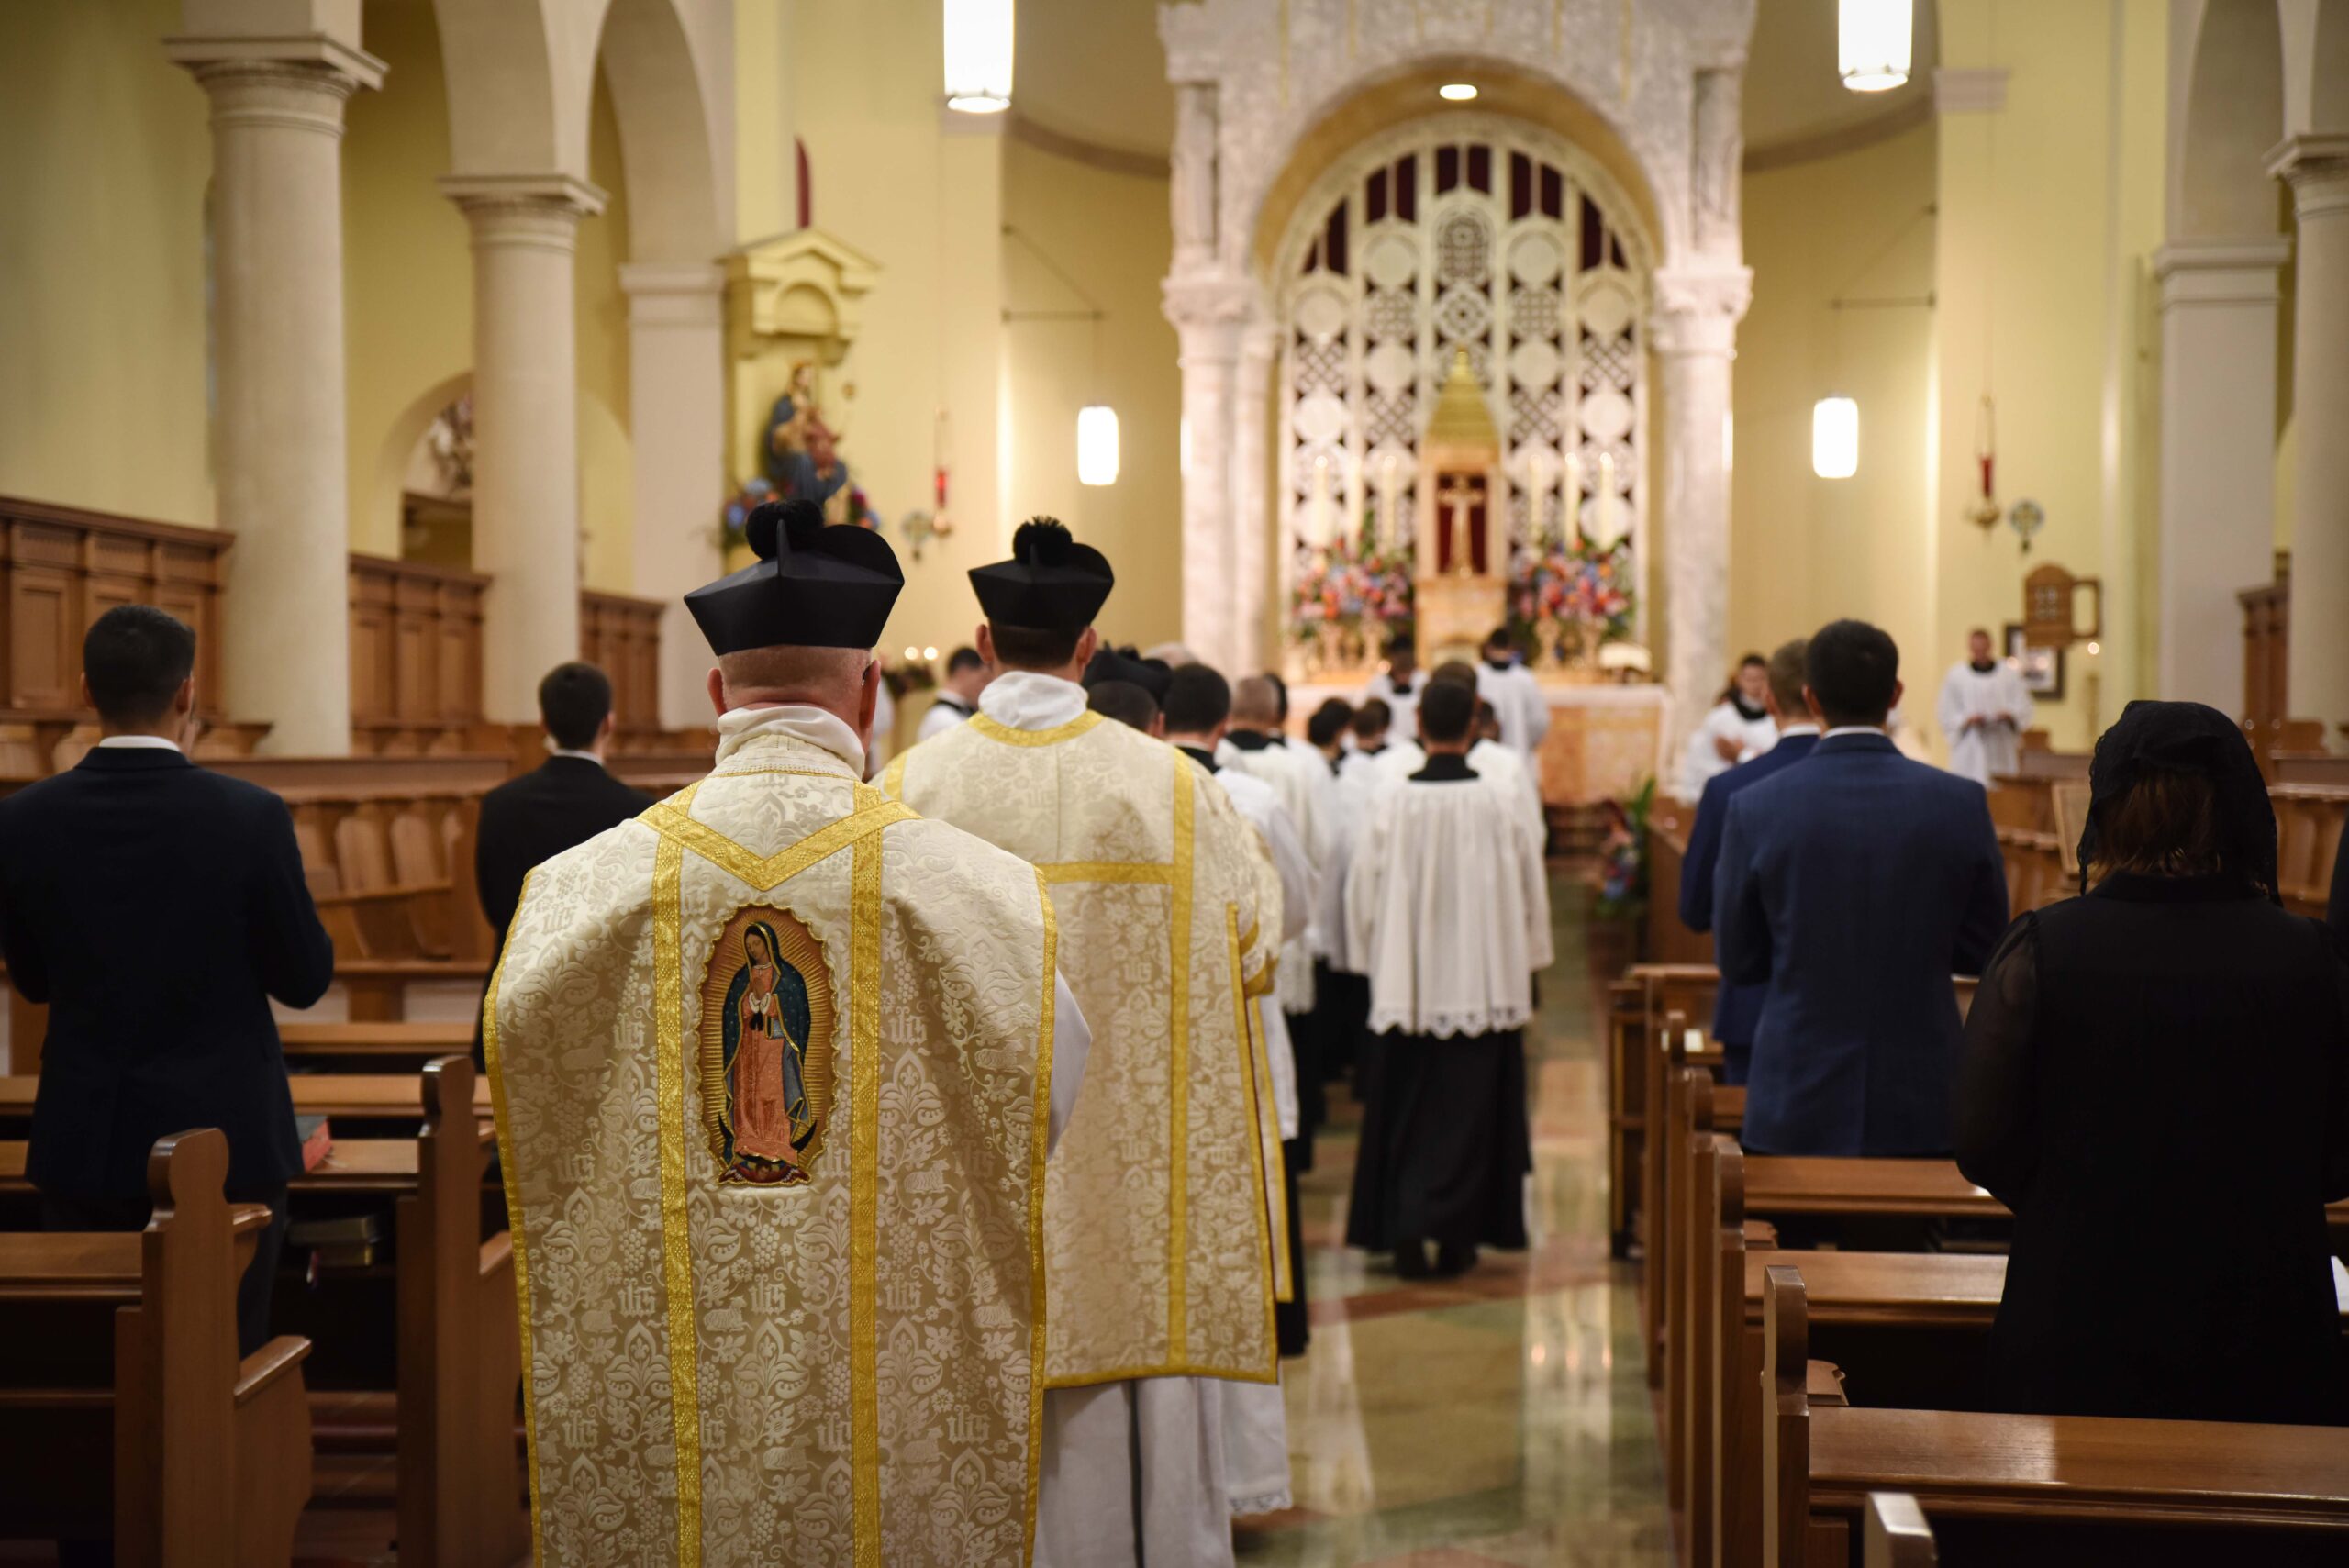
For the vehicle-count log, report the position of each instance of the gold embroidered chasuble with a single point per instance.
(1158, 1238)
(772, 1066)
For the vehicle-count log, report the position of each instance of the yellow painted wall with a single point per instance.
(102, 315)
(2049, 208)
(1804, 550)
(1110, 232)
(606, 465)
(406, 264)
(925, 200)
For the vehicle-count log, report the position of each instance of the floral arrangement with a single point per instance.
(1572, 591)
(1624, 857)
(1361, 589)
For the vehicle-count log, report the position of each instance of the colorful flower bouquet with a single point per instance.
(1345, 602)
(1568, 597)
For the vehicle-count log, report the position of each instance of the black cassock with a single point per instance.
(1445, 1148)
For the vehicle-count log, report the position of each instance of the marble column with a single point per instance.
(1693, 333)
(284, 480)
(1208, 312)
(2218, 457)
(2317, 666)
(526, 426)
(677, 326)
(1252, 549)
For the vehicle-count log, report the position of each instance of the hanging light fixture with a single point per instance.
(1872, 39)
(1835, 438)
(978, 56)
(1096, 444)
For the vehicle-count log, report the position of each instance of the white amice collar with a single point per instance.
(1024, 699)
(739, 727)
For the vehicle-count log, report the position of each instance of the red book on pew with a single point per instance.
(318, 1141)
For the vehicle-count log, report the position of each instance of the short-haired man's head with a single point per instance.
(963, 661)
(574, 701)
(1034, 647)
(1498, 643)
(1127, 703)
(1977, 642)
(1198, 700)
(135, 658)
(1402, 651)
(1454, 671)
(1852, 669)
(1372, 720)
(1329, 721)
(1786, 667)
(1447, 712)
(1257, 702)
(1280, 692)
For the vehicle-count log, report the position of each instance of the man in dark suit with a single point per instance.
(1737, 1008)
(564, 801)
(157, 907)
(1855, 884)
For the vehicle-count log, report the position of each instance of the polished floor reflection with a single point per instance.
(1498, 1418)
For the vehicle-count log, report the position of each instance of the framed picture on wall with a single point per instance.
(2042, 668)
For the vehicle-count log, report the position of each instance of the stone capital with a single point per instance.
(325, 63)
(1214, 300)
(2316, 168)
(673, 294)
(534, 211)
(1696, 309)
(2220, 272)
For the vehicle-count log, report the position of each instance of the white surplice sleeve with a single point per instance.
(1072, 1043)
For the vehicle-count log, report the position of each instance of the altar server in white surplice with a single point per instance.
(1515, 695)
(958, 695)
(1158, 1224)
(1737, 728)
(1486, 758)
(1399, 684)
(763, 1059)
(1984, 710)
(1447, 899)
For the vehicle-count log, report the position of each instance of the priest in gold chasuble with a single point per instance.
(1157, 1228)
(777, 1068)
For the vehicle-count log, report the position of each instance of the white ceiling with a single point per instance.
(1092, 71)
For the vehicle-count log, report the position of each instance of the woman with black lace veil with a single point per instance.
(2156, 1080)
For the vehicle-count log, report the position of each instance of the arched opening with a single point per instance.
(2234, 114)
(665, 133)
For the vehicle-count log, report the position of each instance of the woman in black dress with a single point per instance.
(2156, 1081)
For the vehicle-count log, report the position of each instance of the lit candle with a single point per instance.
(1390, 485)
(1317, 513)
(1570, 514)
(1539, 470)
(1606, 498)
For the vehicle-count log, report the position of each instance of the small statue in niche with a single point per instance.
(801, 455)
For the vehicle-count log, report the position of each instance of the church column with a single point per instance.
(1693, 333)
(2218, 467)
(2317, 669)
(677, 422)
(526, 426)
(1209, 358)
(1251, 552)
(284, 481)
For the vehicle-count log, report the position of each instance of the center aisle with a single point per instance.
(1498, 1418)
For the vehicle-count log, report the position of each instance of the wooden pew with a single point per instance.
(340, 1097)
(373, 1045)
(211, 1452)
(2027, 1490)
(460, 1347)
(1646, 993)
(1836, 1186)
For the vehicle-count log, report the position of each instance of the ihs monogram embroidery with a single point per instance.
(766, 1050)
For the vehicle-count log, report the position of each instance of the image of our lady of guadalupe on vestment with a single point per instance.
(775, 1038)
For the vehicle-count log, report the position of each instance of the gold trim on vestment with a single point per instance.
(766, 873)
(676, 1242)
(1178, 1053)
(865, 1193)
(1041, 1142)
(510, 1177)
(1276, 1188)
(893, 777)
(1251, 1033)
(994, 730)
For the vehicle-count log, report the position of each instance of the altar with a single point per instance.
(1604, 742)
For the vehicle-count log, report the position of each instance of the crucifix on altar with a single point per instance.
(1460, 592)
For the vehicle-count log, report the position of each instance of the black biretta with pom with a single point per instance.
(812, 586)
(1051, 582)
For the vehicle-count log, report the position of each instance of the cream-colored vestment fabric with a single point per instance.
(1158, 1229)
(843, 1368)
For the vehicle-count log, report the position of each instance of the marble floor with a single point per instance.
(1498, 1418)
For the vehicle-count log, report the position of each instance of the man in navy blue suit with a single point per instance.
(1855, 886)
(1737, 1008)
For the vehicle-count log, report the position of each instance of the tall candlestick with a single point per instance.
(1319, 513)
(1390, 482)
(1606, 498)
